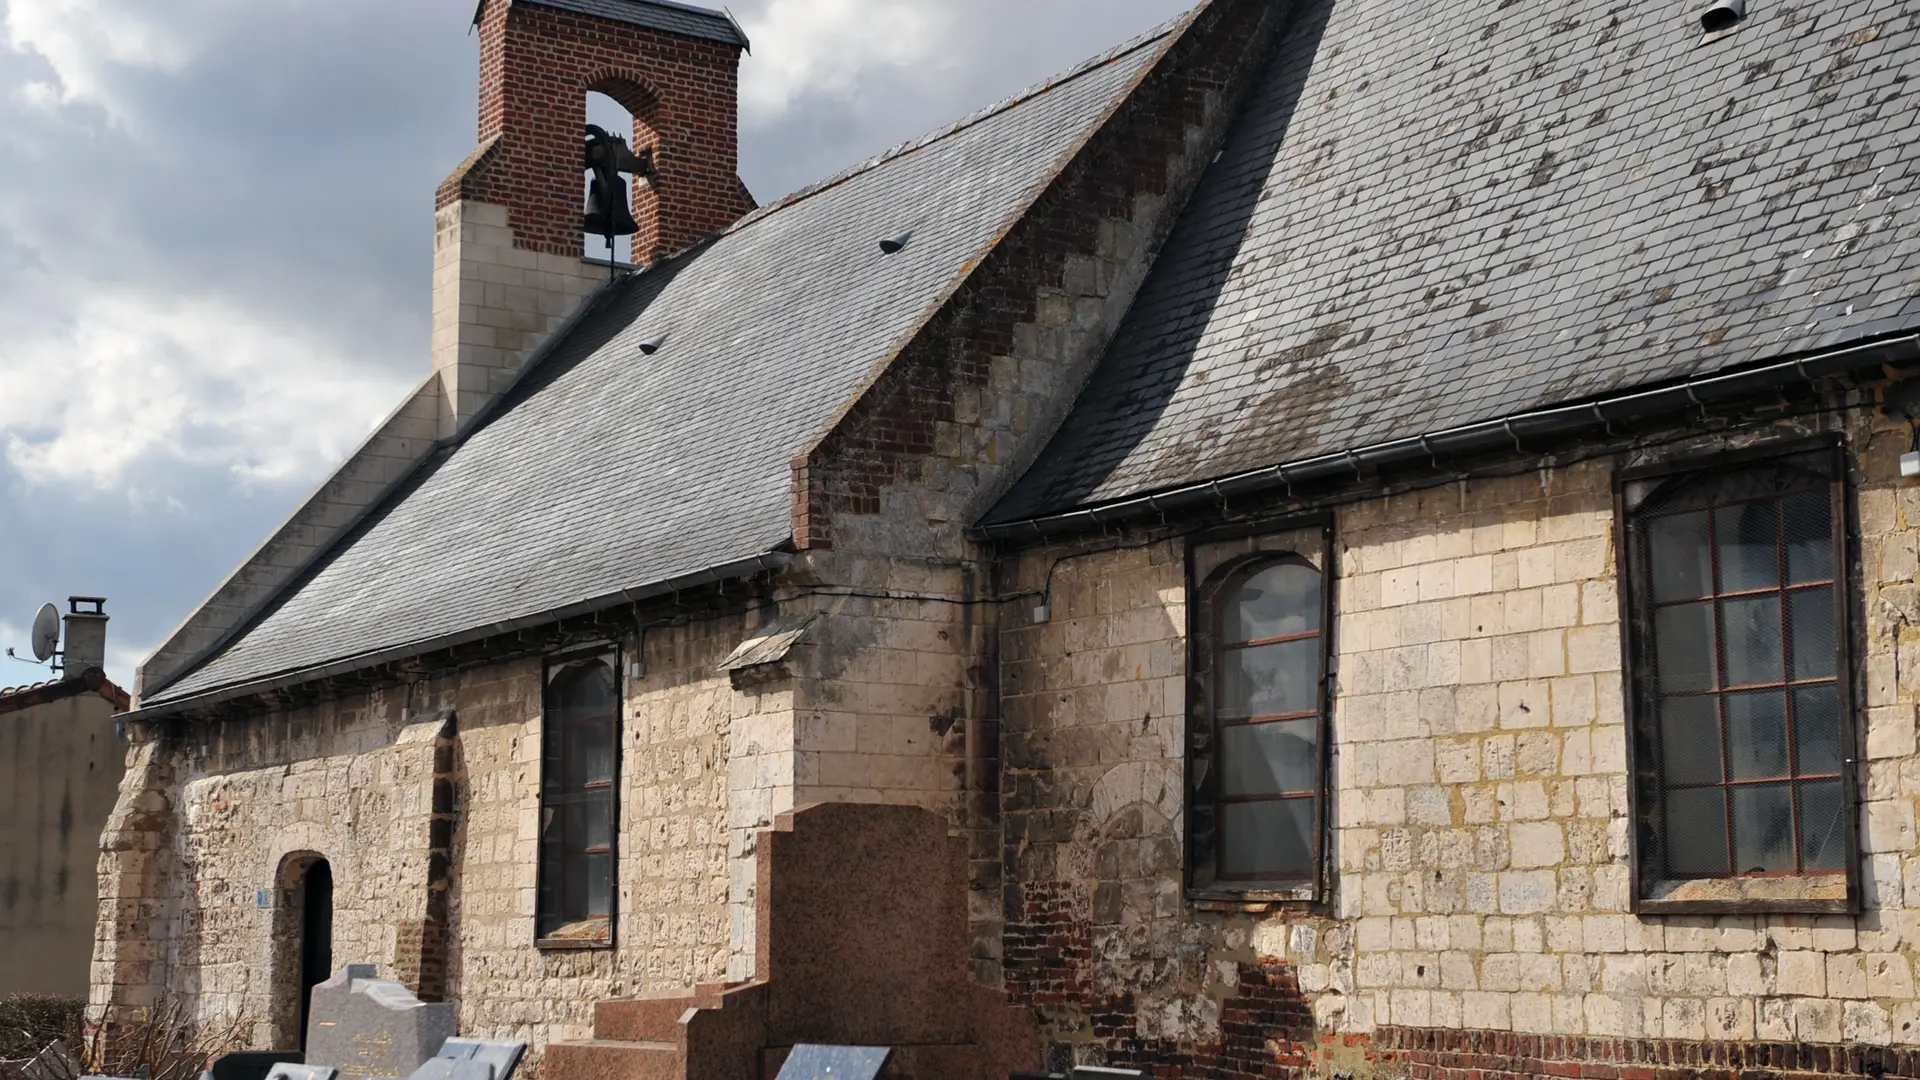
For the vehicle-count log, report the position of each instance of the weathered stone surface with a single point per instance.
(373, 1027)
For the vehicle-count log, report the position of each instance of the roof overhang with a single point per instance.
(742, 568)
(1697, 392)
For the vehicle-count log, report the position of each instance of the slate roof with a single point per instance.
(1431, 215)
(665, 15)
(609, 470)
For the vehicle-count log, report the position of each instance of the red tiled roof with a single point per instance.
(14, 699)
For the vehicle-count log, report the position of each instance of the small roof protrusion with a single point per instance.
(1722, 15)
(894, 245)
(652, 345)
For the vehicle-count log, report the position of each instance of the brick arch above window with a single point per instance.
(632, 93)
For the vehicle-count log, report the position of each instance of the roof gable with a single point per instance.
(611, 469)
(1430, 217)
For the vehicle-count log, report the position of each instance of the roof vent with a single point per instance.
(1722, 15)
(894, 245)
(652, 344)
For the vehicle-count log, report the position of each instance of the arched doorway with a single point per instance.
(302, 943)
(316, 936)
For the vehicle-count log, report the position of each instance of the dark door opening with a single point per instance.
(316, 936)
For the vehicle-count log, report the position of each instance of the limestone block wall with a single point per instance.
(245, 808)
(672, 928)
(136, 915)
(494, 304)
(207, 821)
(1479, 855)
(891, 701)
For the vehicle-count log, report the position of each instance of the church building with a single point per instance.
(1384, 537)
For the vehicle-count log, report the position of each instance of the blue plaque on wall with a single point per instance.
(836, 1063)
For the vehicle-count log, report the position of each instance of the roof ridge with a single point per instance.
(902, 149)
(721, 15)
(9, 691)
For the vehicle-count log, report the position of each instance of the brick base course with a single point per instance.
(1434, 1054)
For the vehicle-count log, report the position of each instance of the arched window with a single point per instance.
(579, 810)
(1742, 702)
(1258, 760)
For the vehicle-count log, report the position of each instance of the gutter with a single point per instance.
(1485, 435)
(770, 560)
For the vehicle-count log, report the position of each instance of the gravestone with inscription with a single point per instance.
(372, 1027)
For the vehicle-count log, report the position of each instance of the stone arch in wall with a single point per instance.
(299, 877)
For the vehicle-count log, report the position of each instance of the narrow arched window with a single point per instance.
(579, 810)
(1257, 755)
(1742, 706)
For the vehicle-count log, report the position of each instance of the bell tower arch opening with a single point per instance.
(622, 106)
(609, 115)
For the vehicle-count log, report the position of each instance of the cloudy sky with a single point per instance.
(216, 227)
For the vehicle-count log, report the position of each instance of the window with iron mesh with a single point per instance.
(1256, 762)
(579, 810)
(1739, 673)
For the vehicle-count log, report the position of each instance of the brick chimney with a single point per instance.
(86, 636)
(508, 247)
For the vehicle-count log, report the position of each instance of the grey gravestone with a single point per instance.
(836, 1063)
(442, 1069)
(288, 1070)
(365, 1026)
(251, 1064)
(501, 1057)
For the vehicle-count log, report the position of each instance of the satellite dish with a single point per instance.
(46, 632)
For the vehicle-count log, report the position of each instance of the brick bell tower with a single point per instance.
(508, 237)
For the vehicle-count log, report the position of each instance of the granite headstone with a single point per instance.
(836, 1063)
(500, 1058)
(372, 1027)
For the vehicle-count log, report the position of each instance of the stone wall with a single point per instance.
(1479, 861)
(210, 818)
(672, 928)
(891, 702)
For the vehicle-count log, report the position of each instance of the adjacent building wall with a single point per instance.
(1480, 854)
(60, 768)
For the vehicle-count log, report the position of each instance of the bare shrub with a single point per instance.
(29, 1023)
(162, 1043)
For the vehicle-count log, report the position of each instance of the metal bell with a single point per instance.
(609, 212)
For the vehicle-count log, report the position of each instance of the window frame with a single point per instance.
(610, 654)
(1305, 541)
(1636, 641)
